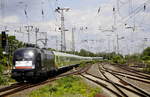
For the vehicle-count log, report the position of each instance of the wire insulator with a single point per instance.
(144, 7)
(113, 9)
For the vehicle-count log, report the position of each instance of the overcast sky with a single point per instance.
(93, 21)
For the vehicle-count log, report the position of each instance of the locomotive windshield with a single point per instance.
(25, 55)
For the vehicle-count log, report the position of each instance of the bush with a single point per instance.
(145, 57)
(3, 79)
(1, 69)
(118, 59)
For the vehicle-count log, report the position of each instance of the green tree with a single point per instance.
(146, 54)
(118, 59)
(146, 51)
(84, 52)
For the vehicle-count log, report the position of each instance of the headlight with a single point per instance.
(31, 54)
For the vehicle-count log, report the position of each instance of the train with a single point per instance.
(30, 64)
(97, 58)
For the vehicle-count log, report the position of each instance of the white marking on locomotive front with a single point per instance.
(23, 63)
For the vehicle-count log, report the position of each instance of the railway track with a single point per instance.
(127, 75)
(19, 87)
(12, 90)
(117, 87)
(100, 83)
(129, 84)
(105, 84)
(133, 71)
(12, 86)
(130, 74)
(112, 83)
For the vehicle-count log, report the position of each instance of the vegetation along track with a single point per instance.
(18, 87)
(130, 87)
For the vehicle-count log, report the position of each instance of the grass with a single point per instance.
(70, 86)
(84, 63)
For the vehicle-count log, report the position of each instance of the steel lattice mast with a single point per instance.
(62, 28)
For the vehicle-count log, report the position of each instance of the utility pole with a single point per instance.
(73, 40)
(2, 10)
(57, 43)
(114, 29)
(62, 28)
(117, 43)
(28, 29)
(109, 50)
(144, 43)
(36, 32)
(2, 7)
(55, 37)
(45, 39)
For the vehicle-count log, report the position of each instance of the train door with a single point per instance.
(43, 60)
(38, 61)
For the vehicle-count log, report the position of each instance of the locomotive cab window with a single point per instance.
(24, 58)
(19, 56)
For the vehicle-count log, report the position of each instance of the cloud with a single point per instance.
(82, 14)
(10, 22)
(89, 18)
(11, 19)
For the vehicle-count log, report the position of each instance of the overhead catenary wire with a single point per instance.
(53, 5)
(136, 11)
(144, 15)
(123, 2)
(133, 13)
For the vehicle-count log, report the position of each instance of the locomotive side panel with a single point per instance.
(50, 63)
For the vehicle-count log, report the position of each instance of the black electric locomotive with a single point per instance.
(32, 63)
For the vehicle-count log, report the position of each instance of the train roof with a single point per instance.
(71, 55)
(26, 48)
(64, 54)
(98, 57)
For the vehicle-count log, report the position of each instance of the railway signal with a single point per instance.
(3, 40)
